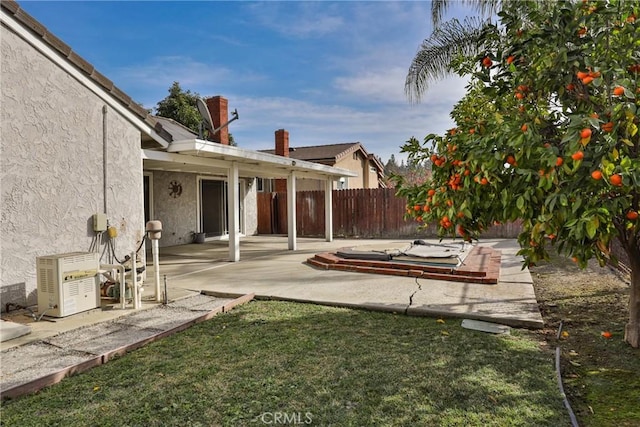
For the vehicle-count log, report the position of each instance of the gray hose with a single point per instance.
(574, 421)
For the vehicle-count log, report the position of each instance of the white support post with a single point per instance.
(291, 211)
(328, 211)
(233, 207)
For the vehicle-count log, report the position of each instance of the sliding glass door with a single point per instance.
(214, 221)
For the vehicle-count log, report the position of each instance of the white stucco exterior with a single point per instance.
(51, 174)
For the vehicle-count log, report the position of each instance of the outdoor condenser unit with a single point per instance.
(68, 283)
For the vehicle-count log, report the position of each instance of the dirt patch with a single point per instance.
(600, 371)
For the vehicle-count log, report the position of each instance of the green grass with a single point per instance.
(320, 365)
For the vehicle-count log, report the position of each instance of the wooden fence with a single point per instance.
(359, 213)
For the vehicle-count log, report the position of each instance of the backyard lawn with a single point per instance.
(276, 363)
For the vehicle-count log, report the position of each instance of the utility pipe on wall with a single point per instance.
(104, 157)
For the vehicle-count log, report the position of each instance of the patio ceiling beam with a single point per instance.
(244, 156)
(177, 162)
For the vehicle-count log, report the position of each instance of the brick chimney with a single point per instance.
(282, 149)
(219, 110)
(282, 143)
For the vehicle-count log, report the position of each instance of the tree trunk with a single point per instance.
(632, 329)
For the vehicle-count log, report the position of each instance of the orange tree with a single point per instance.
(547, 133)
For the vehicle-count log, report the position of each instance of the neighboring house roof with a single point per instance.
(88, 70)
(330, 154)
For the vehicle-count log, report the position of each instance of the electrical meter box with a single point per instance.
(68, 283)
(99, 222)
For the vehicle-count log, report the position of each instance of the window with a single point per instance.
(264, 185)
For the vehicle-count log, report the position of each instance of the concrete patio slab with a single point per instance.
(282, 274)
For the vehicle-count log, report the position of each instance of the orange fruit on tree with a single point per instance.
(607, 335)
(524, 127)
(582, 75)
(511, 160)
(417, 208)
(519, 95)
(570, 86)
(577, 156)
(597, 175)
(632, 215)
(484, 181)
(618, 91)
(585, 133)
(587, 80)
(431, 192)
(607, 127)
(616, 180)
(487, 62)
(510, 59)
(559, 161)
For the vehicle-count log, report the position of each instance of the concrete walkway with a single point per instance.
(270, 271)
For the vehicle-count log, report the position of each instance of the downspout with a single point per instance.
(104, 157)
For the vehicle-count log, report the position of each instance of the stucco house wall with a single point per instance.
(51, 173)
(355, 165)
(360, 165)
(179, 215)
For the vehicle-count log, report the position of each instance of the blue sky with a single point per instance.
(328, 72)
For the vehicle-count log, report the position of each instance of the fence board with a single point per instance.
(363, 213)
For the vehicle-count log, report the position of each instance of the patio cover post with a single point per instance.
(233, 207)
(328, 211)
(291, 210)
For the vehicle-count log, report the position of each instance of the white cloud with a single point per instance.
(298, 19)
(382, 131)
(163, 71)
(383, 85)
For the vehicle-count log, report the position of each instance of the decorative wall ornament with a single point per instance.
(175, 189)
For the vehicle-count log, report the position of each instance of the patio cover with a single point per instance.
(206, 157)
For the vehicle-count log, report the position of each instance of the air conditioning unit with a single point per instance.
(68, 283)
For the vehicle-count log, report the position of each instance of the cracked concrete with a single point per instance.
(412, 295)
